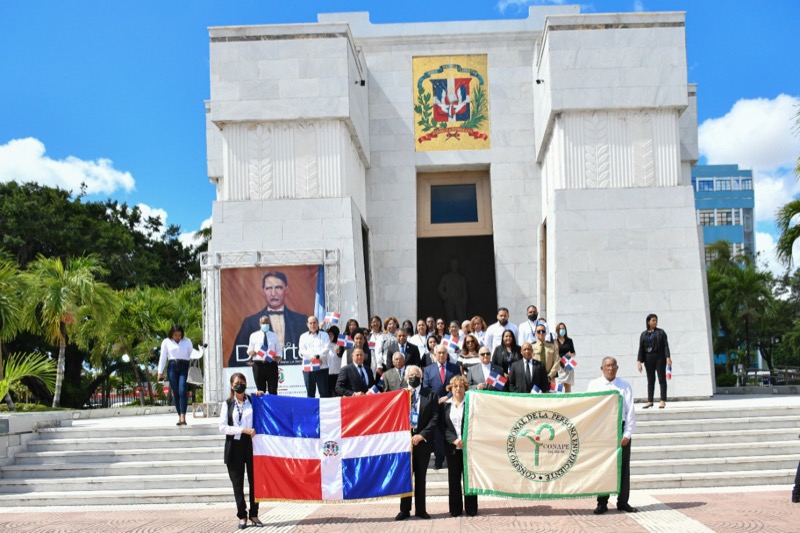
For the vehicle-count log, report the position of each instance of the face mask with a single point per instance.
(413, 382)
(533, 316)
(265, 327)
(562, 332)
(239, 388)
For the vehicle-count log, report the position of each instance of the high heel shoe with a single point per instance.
(256, 522)
(648, 405)
(242, 523)
(662, 405)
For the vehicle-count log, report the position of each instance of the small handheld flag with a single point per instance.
(371, 345)
(311, 366)
(262, 352)
(556, 388)
(331, 319)
(376, 389)
(497, 381)
(345, 341)
(274, 355)
(536, 390)
(669, 371)
(569, 363)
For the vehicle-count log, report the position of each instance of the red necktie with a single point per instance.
(441, 373)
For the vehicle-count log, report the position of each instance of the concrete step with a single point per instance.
(143, 468)
(679, 413)
(116, 443)
(113, 483)
(713, 450)
(710, 465)
(732, 478)
(129, 432)
(716, 424)
(74, 457)
(703, 436)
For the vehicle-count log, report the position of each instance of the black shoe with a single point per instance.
(795, 498)
(402, 515)
(437, 466)
(472, 514)
(256, 522)
(625, 508)
(424, 515)
(454, 515)
(242, 523)
(600, 509)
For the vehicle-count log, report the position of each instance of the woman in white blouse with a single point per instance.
(236, 423)
(453, 424)
(175, 353)
(421, 337)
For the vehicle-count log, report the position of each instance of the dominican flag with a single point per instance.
(332, 449)
(274, 355)
(345, 341)
(669, 371)
(497, 381)
(311, 366)
(376, 389)
(536, 390)
(262, 352)
(371, 345)
(331, 319)
(569, 363)
(449, 343)
(556, 388)
(319, 296)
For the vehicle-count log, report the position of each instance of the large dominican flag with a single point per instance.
(332, 448)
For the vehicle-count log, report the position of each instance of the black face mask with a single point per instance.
(239, 388)
(533, 316)
(413, 382)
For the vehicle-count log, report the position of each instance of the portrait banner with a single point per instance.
(542, 446)
(451, 103)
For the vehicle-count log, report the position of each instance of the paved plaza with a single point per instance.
(679, 511)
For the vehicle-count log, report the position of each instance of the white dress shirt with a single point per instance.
(239, 423)
(456, 415)
(379, 351)
(257, 341)
(420, 342)
(494, 334)
(174, 351)
(628, 416)
(315, 345)
(334, 361)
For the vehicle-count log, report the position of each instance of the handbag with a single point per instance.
(195, 376)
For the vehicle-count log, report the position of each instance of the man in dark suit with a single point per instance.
(288, 325)
(409, 351)
(527, 372)
(437, 376)
(476, 377)
(354, 379)
(395, 378)
(424, 420)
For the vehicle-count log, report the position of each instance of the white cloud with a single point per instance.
(765, 246)
(155, 212)
(24, 160)
(638, 6)
(502, 5)
(772, 191)
(755, 133)
(189, 239)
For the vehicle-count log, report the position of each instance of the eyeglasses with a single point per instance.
(540, 331)
(485, 354)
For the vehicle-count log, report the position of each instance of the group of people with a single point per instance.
(437, 364)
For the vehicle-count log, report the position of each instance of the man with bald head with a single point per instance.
(610, 381)
(355, 379)
(395, 377)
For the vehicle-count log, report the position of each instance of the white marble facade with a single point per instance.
(593, 131)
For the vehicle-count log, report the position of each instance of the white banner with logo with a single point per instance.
(543, 445)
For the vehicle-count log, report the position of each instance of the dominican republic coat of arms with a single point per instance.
(451, 103)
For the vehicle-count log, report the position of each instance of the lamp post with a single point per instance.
(125, 359)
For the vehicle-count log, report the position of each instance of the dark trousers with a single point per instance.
(656, 364)
(438, 445)
(796, 489)
(241, 457)
(455, 473)
(266, 376)
(625, 482)
(420, 457)
(317, 379)
(177, 372)
(332, 384)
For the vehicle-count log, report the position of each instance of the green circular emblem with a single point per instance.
(543, 445)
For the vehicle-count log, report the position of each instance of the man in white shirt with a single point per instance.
(610, 381)
(265, 369)
(313, 348)
(494, 333)
(527, 329)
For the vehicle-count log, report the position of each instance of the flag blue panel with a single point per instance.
(285, 416)
(376, 476)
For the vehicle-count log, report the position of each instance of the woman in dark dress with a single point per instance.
(508, 352)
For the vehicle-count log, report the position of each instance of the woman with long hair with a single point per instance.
(508, 352)
(176, 350)
(566, 350)
(654, 354)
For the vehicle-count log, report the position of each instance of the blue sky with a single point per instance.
(111, 92)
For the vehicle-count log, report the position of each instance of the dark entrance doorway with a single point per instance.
(475, 257)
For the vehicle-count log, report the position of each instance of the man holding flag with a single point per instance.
(486, 375)
(314, 351)
(264, 350)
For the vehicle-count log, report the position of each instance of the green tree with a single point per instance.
(12, 291)
(61, 296)
(19, 366)
(745, 297)
(787, 215)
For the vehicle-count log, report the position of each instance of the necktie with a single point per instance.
(530, 374)
(363, 374)
(402, 372)
(403, 349)
(441, 373)
(266, 342)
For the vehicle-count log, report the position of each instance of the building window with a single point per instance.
(724, 218)
(453, 203)
(747, 185)
(710, 256)
(706, 217)
(748, 220)
(705, 185)
(737, 217)
(723, 185)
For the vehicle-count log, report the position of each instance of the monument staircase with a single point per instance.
(676, 447)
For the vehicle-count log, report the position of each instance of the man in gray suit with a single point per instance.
(478, 373)
(395, 378)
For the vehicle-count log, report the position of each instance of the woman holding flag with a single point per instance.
(452, 424)
(566, 352)
(236, 423)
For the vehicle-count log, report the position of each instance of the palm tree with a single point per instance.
(12, 289)
(33, 365)
(786, 214)
(745, 295)
(60, 296)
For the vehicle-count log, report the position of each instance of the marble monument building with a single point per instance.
(543, 160)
